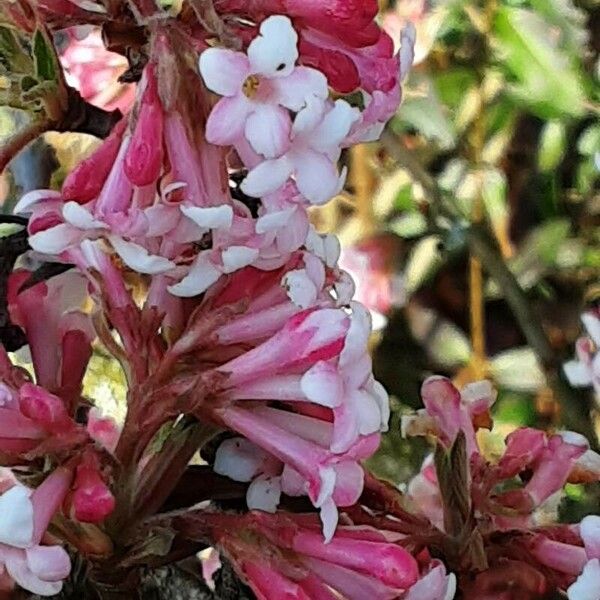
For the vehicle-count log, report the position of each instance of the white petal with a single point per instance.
(210, 218)
(294, 91)
(224, 71)
(332, 250)
(136, 257)
(237, 257)
(578, 373)
(274, 52)
(80, 217)
(201, 276)
(300, 289)
(264, 494)
(239, 459)
(16, 517)
(589, 529)
(587, 586)
(328, 477)
(56, 239)
(592, 324)
(267, 177)
(268, 130)
(309, 118)
(273, 221)
(31, 198)
(323, 385)
(329, 519)
(335, 126)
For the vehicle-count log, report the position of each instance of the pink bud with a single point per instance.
(92, 500)
(45, 408)
(389, 563)
(143, 160)
(84, 182)
(269, 584)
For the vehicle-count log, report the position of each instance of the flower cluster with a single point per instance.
(184, 249)
(498, 522)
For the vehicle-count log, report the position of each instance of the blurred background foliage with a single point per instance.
(473, 227)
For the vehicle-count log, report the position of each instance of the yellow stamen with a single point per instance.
(250, 86)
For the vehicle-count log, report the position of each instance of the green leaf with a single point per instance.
(552, 146)
(409, 225)
(545, 77)
(589, 141)
(46, 66)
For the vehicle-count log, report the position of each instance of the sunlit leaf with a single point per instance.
(552, 145)
(544, 77)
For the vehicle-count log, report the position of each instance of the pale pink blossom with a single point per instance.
(259, 88)
(25, 516)
(585, 369)
(317, 135)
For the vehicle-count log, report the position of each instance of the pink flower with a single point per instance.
(92, 501)
(258, 88)
(93, 70)
(585, 369)
(587, 585)
(58, 332)
(25, 517)
(316, 140)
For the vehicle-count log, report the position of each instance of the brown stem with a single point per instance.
(21, 139)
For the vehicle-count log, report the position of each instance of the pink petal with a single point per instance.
(223, 70)
(268, 130)
(227, 120)
(18, 569)
(323, 385)
(316, 176)
(50, 563)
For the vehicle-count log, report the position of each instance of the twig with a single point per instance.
(22, 138)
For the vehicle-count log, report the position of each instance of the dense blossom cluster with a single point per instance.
(185, 251)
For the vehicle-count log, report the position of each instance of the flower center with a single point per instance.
(251, 85)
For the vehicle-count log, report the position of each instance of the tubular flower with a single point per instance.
(358, 562)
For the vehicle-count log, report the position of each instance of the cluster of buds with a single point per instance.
(489, 514)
